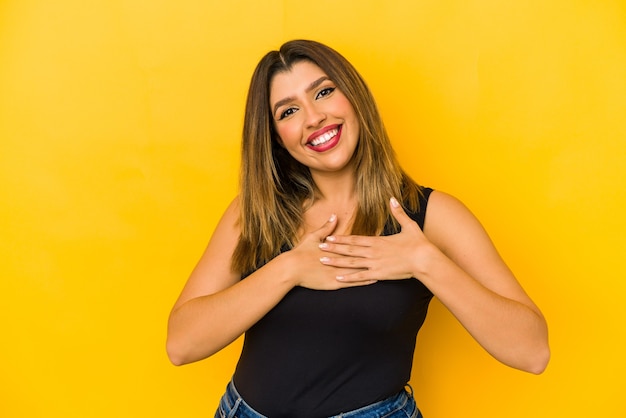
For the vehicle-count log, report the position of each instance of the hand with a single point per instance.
(307, 269)
(389, 257)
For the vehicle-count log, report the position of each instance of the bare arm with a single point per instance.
(473, 282)
(216, 307)
(457, 261)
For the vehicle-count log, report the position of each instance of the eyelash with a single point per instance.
(322, 93)
(326, 91)
(285, 113)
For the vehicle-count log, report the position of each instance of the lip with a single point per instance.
(328, 145)
(321, 132)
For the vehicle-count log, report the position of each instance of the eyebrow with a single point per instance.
(312, 86)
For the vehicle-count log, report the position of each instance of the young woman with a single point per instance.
(330, 255)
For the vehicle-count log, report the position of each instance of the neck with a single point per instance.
(336, 188)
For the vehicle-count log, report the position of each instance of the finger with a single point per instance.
(358, 283)
(398, 212)
(362, 250)
(355, 240)
(360, 277)
(346, 262)
(327, 229)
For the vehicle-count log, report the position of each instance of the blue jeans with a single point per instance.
(401, 405)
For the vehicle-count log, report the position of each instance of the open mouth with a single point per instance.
(326, 140)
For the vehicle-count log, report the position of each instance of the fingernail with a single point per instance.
(324, 260)
(331, 238)
(340, 278)
(394, 202)
(323, 246)
(332, 218)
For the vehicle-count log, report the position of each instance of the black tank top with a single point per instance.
(320, 353)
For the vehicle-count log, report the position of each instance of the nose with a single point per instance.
(314, 116)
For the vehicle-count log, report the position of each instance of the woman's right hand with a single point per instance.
(216, 306)
(306, 268)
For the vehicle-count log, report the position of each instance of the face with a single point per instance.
(316, 123)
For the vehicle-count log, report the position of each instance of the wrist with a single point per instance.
(427, 257)
(285, 270)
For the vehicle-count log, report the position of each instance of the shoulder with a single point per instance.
(450, 224)
(232, 213)
(228, 229)
(213, 271)
(442, 204)
(226, 233)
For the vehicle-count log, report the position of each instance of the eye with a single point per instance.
(325, 92)
(287, 112)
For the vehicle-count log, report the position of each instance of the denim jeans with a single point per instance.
(401, 405)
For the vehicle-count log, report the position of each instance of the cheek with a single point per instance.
(288, 135)
(346, 108)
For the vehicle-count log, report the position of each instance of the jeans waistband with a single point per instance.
(232, 405)
(401, 404)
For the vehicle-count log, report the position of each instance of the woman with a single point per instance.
(329, 256)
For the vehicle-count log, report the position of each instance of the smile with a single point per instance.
(325, 140)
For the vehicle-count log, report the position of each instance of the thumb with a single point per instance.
(327, 228)
(398, 212)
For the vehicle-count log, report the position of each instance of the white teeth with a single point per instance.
(324, 137)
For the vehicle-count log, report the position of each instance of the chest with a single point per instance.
(351, 314)
(317, 216)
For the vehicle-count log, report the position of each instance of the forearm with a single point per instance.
(513, 332)
(204, 325)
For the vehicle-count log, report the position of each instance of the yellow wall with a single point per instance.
(119, 139)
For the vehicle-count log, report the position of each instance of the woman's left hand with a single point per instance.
(390, 257)
(458, 263)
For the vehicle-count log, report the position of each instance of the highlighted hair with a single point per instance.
(274, 186)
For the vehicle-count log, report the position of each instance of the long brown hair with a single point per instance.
(274, 186)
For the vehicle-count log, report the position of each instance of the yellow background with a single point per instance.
(119, 139)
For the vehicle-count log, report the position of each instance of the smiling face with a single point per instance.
(314, 120)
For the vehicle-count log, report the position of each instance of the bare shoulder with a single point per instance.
(454, 229)
(213, 271)
(226, 233)
(448, 221)
(225, 237)
(230, 218)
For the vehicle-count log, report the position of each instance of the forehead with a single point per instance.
(292, 82)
